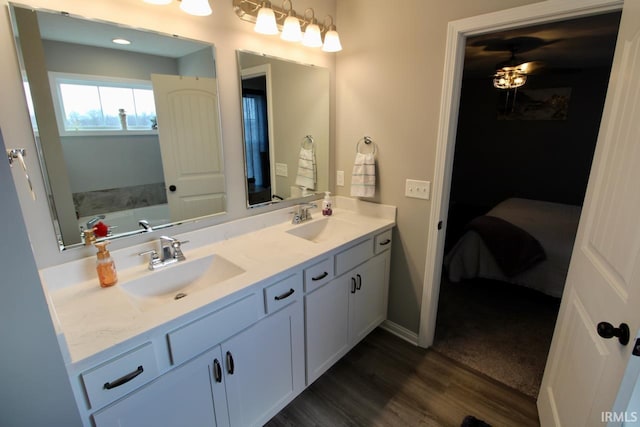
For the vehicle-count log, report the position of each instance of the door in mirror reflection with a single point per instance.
(256, 114)
(190, 145)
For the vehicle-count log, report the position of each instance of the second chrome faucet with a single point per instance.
(170, 252)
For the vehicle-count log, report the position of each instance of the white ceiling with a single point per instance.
(64, 28)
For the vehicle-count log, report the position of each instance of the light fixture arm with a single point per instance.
(247, 10)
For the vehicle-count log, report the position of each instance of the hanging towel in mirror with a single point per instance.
(306, 168)
(363, 177)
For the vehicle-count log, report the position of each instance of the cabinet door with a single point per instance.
(326, 320)
(368, 305)
(181, 397)
(264, 367)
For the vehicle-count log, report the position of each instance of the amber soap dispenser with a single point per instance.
(105, 266)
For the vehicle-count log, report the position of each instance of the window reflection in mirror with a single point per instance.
(286, 128)
(115, 161)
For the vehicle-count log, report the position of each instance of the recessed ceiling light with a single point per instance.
(121, 41)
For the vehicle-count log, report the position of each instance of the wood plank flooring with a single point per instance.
(385, 381)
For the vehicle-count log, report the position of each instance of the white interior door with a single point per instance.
(190, 144)
(584, 371)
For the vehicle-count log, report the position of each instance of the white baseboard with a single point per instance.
(400, 332)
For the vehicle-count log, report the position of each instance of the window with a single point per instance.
(102, 104)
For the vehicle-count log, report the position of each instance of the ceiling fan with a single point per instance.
(512, 74)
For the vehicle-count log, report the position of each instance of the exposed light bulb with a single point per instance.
(266, 22)
(196, 7)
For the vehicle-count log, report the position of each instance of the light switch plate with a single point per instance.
(340, 178)
(417, 189)
(281, 169)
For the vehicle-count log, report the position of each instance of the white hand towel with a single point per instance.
(306, 169)
(363, 177)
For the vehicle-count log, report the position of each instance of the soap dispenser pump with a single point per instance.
(105, 266)
(327, 209)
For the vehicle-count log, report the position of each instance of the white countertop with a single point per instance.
(92, 319)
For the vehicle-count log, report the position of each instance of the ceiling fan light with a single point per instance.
(196, 7)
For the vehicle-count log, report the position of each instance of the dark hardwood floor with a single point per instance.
(385, 381)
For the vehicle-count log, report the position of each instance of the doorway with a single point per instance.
(530, 148)
(458, 32)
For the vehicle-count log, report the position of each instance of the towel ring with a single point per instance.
(367, 141)
(309, 139)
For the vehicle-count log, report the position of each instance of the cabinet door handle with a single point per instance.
(320, 277)
(353, 285)
(359, 282)
(285, 295)
(230, 364)
(124, 379)
(384, 243)
(217, 371)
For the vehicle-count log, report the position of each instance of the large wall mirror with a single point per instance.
(285, 110)
(128, 134)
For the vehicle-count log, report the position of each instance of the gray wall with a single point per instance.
(31, 366)
(389, 81)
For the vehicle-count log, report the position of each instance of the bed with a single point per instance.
(552, 225)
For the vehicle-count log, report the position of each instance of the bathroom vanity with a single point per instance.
(259, 309)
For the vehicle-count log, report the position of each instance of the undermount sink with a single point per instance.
(322, 229)
(178, 280)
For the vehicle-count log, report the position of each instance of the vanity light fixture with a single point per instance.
(312, 36)
(294, 29)
(331, 38)
(266, 21)
(192, 7)
(291, 31)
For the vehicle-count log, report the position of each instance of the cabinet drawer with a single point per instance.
(202, 334)
(382, 241)
(117, 377)
(354, 256)
(318, 274)
(282, 293)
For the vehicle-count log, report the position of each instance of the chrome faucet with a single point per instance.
(145, 225)
(301, 213)
(170, 252)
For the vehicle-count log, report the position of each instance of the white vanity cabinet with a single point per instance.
(242, 381)
(343, 311)
(182, 394)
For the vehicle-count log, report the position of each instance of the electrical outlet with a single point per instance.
(417, 189)
(340, 178)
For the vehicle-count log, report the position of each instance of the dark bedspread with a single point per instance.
(514, 249)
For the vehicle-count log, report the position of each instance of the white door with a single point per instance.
(190, 144)
(584, 371)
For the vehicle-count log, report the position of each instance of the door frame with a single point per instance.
(457, 33)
